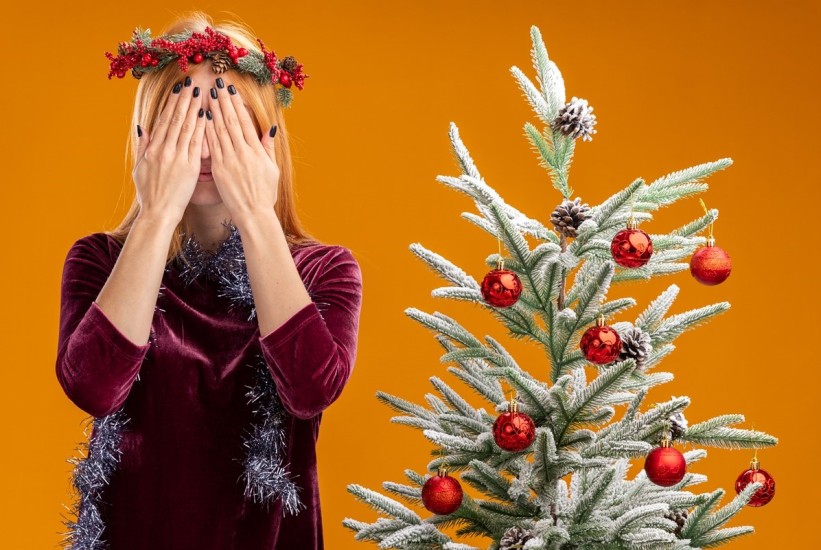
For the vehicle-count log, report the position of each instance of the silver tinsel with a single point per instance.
(576, 119)
(225, 267)
(266, 476)
(91, 474)
(514, 538)
(635, 344)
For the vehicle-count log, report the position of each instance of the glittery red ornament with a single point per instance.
(665, 465)
(755, 474)
(631, 247)
(501, 287)
(710, 265)
(442, 494)
(514, 431)
(600, 344)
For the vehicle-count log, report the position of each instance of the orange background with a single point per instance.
(672, 86)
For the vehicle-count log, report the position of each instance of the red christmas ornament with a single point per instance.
(600, 344)
(766, 493)
(285, 79)
(514, 431)
(631, 247)
(442, 494)
(710, 265)
(665, 465)
(501, 287)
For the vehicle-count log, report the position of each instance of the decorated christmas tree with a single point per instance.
(550, 459)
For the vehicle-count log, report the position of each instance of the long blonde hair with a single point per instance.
(152, 92)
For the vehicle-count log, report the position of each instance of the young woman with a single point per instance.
(208, 332)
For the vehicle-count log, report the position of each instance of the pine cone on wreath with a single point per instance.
(569, 215)
(136, 74)
(576, 119)
(678, 425)
(678, 516)
(514, 538)
(288, 63)
(635, 344)
(221, 62)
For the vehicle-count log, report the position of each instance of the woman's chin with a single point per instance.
(205, 194)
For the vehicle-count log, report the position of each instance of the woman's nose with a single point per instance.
(206, 152)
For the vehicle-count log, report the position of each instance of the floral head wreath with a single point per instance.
(144, 54)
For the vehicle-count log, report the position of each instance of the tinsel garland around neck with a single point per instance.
(225, 267)
(266, 475)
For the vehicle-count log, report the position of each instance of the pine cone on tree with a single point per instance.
(221, 62)
(514, 538)
(679, 517)
(288, 63)
(678, 425)
(635, 344)
(569, 215)
(576, 119)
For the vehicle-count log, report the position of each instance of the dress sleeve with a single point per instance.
(96, 363)
(312, 354)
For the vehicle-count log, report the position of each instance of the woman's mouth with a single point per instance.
(205, 176)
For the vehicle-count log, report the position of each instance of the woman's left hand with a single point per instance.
(244, 167)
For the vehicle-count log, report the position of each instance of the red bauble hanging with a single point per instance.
(442, 494)
(631, 247)
(501, 287)
(600, 344)
(766, 493)
(710, 265)
(514, 431)
(665, 465)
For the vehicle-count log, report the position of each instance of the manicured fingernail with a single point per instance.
(273, 131)
(187, 81)
(202, 112)
(231, 89)
(177, 87)
(214, 93)
(220, 83)
(208, 114)
(139, 131)
(196, 91)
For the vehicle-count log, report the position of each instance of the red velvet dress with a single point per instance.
(178, 484)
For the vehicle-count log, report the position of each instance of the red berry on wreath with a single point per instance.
(242, 52)
(442, 494)
(198, 58)
(600, 344)
(755, 474)
(665, 465)
(710, 265)
(501, 287)
(514, 431)
(285, 79)
(631, 247)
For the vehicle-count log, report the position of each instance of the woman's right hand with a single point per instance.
(168, 163)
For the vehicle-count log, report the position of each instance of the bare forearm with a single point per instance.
(129, 296)
(275, 281)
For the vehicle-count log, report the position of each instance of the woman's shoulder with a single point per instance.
(316, 250)
(315, 256)
(98, 245)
